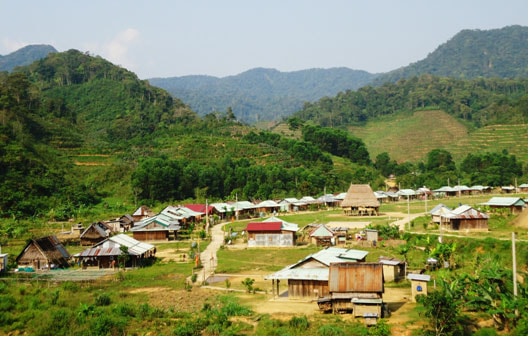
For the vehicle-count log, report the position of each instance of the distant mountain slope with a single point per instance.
(262, 94)
(472, 53)
(25, 56)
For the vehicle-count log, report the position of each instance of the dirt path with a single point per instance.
(208, 257)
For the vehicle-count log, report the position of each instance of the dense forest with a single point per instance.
(161, 151)
(268, 94)
(480, 102)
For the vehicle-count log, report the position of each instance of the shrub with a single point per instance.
(102, 300)
(299, 323)
(330, 330)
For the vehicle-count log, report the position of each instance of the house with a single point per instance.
(522, 188)
(110, 253)
(466, 218)
(513, 204)
(95, 233)
(141, 213)
(292, 205)
(480, 189)
(43, 253)
(394, 269)
(158, 227)
(445, 191)
(356, 287)
(419, 285)
(272, 232)
(309, 277)
(322, 235)
(360, 200)
(203, 209)
(126, 222)
(508, 189)
(439, 213)
(267, 206)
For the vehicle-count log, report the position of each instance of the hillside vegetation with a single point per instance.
(409, 137)
(78, 132)
(267, 94)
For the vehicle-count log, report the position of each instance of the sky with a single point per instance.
(169, 38)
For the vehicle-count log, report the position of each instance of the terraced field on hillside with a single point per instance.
(411, 137)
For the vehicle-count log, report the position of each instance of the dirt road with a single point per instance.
(209, 256)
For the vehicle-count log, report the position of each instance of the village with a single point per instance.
(337, 278)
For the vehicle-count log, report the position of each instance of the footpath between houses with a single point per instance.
(208, 257)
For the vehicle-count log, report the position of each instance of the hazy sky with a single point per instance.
(165, 38)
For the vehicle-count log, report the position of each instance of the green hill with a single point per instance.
(409, 137)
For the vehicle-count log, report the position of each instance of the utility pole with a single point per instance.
(515, 288)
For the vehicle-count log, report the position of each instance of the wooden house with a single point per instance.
(322, 235)
(110, 253)
(141, 213)
(94, 234)
(272, 232)
(127, 222)
(360, 200)
(419, 285)
(309, 277)
(267, 207)
(394, 269)
(439, 214)
(356, 287)
(44, 253)
(159, 227)
(512, 205)
(466, 218)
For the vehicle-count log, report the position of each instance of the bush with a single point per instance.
(102, 300)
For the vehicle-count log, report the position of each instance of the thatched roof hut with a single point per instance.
(360, 200)
(43, 253)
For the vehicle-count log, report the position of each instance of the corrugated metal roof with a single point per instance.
(419, 277)
(322, 232)
(263, 226)
(286, 226)
(318, 274)
(504, 201)
(111, 247)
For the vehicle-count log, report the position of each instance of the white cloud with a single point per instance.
(116, 51)
(10, 46)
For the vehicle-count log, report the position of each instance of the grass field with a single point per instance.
(410, 137)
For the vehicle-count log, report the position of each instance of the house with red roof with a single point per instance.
(272, 232)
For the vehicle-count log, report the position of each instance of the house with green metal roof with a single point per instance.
(514, 205)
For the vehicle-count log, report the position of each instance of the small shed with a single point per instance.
(371, 235)
(419, 285)
(356, 286)
(394, 269)
(322, 236)
(44, 253)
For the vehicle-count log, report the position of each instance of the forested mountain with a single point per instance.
(25, 56)
(69, 105)
(480, 102)
(267, 94)
(500, 53)
(261, 94)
